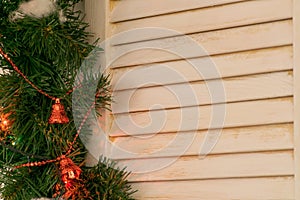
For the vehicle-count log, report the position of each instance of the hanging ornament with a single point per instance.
(70, 176)
(5, 123)
(69, 172)
(58, 114)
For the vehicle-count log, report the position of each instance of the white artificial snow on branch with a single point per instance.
(36, 9)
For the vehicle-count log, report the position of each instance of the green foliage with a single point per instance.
(113, 181)
(49, 52)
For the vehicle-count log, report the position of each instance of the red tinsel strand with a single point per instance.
(80, 127)
(72, 89)
(9, 60)
(31, 164)
(41, 163)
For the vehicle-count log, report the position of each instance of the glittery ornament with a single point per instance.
(70, 174)
(69, 171)
(58, 115)
(5, 123)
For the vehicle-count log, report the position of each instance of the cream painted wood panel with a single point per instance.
(202, 44)
(233, 140)
(232, 15)
(296, 60)
(212, 166)
(133, 9)
(273, 188)
(253, 87)
(247, 44)
(228, 65)
(193, 118)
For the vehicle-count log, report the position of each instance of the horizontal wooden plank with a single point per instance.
(204, 117)
(234, 140)
(232, 15)
(133, 9)
(253, 87)
(254, 188)
(203, 44)
(211, 167)
(236, 64)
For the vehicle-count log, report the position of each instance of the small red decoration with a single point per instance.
(5, 123)
(70, 175)
(58, 115)
(69, 171)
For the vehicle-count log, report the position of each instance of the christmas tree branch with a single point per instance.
(21, 152)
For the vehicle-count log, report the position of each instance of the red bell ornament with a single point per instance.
(69, 172)
(70, 176)
(5, 123)
(58, 114)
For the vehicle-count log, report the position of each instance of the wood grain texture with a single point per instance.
(211, 167)
(204, 117)
(250, 45)
(203, 44)
(96, 17)
(296, 61)
(255, 87)
(238, 14)
(228, 65)
(278, 188)
(233, 140)
(133, 9)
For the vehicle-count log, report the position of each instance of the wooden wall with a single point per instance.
(250, 43)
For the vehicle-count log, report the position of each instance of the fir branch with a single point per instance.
(50, 53)
(21, 152)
